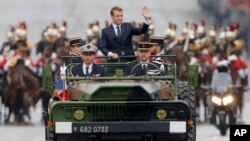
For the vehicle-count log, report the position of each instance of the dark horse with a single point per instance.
(182, 62)
(240, 91)
(204, 82)
(22, 92)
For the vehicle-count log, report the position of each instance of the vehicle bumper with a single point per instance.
(123, 129)
(120, 127)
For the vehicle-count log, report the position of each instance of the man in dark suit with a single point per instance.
(75, 54)
(88, 67)
(142, 65)
(116, 39)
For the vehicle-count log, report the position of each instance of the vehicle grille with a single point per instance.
(120, 112)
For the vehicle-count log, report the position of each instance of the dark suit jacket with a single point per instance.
(138, 70)
(96, 70)
(111, 43)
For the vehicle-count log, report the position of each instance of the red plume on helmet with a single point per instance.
(12, 29)
(194, 26)
(54, 25)
(203, 22)
(230, 31)
(106, 23)
(231, 28)
(213, 30)
(63, 27)
(237, 25)
(22, 25)
(214, 27)
(65, 24)
(186, 23)
(170, 25)
(174, 26)
(97, 23)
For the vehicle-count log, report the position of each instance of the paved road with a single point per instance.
(207, 132)
(35, 131)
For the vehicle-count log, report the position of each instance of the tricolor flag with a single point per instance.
(61, 89)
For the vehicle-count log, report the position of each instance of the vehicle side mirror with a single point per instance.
(193, 75)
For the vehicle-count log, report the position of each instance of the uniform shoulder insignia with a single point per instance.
(132, 62)
(96, 75)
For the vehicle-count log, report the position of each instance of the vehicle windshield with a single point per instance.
(118, 69)
(221, 82)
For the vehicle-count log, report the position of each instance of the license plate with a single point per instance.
(90, 129)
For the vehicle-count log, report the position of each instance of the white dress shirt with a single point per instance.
(147, 22)
(115, 28)
(84, 68)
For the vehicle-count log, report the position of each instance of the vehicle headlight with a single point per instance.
(161, 114)
(216, 100)
(227, 100)
(68, 113)
(79, 114)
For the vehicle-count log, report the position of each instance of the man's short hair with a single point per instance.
(115, 8)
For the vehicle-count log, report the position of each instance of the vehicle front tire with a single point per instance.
(187, 94)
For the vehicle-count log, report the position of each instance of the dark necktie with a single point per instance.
(118, 31)
(144, 69)
(87, 71)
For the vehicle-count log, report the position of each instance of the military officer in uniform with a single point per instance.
(88, 67)
(157, 48)
(142, 66)
(75, 54)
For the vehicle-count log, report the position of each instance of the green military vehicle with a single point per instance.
(118, 107)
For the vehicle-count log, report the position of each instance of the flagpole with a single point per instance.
(63, 78)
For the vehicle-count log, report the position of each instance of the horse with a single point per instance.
(21, 93)
(2, 87)
(181, 59)
(237, 81)
(182, 62)
(204, 79)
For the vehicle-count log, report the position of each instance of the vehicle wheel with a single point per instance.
(223, 132)
(187, 94)
(222, 125)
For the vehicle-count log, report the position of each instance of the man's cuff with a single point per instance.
(109, 54)
(147, 22)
